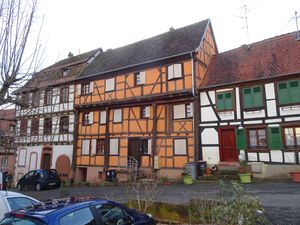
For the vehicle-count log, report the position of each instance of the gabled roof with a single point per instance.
(166, 45)
(265, 59)
(52, 75)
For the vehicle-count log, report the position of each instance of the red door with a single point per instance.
(228, 149)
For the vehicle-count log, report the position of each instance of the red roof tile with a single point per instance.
(268, 58)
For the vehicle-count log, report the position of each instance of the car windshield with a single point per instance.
(20, 220)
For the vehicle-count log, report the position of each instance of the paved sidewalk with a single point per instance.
(280, 199)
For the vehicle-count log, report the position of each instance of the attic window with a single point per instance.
(65, 72)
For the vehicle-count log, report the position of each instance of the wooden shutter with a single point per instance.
(142, 77)
(228, 101)
(275, 140)
(102, 117)
(179, 111)
(93, 146)
(247, 98)
(170, 72)
(85, 148)
(180, 147)
(220, 101)
(117, 115)
(147, 111)
(240, 139)
(257, 97)
(283, 93)
(177, 70)
(92, 87)
(91, 118)
(294, 91)
(149, 146)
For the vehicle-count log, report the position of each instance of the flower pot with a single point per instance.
(208, 171)
(245, 178)
(187, 179)
(295, 176)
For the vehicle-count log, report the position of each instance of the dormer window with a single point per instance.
(65, 72)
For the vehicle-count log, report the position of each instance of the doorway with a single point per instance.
(134, 149)
(228, 149)
(46, 158)
(63, 166)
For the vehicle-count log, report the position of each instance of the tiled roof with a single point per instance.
(52, 75)
(171, 43)
(268, 58)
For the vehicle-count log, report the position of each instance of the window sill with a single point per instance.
(253, 109)
(175, 78)
(258, 149)
(109, 91)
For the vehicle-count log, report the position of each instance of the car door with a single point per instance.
(82, 216)
(28, 179)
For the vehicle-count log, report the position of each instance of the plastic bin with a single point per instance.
(201, 168)
(191, 169)
(111, 175)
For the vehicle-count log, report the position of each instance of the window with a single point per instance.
(252, 97)
(174, 71)
(85, 148)
(289, 92)
(146, 146)
(19, 202)
(145, 112)
(87, 118)
(102, 119)
(100, 147)
(48, 97)
(64, 124)
(292, 137)
(180, 147)
(112, 214)
(114, 146)
(22, 157)
(4, 161)
(23, 127)
(182, 111)
(225, 101)
(35, 99)
(85, 89)
(48, 126)
(139, 78)
(25, 101)
(110, 84)
(257, 138)
(117, 116)
(35, 126)
(64, 95)
(79, 217)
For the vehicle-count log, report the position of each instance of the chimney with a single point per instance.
(70, 55)
(171, 29)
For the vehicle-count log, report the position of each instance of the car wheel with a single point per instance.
(19, 187)
(38, 187)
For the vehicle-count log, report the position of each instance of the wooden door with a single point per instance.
(228, 149)
(134, 149)
(63, 166)
(46, 158)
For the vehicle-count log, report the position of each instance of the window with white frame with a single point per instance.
(180, 146)
(85, 89)
(110, 84)
(114, 146)
(85, 148)
(174, 71)
(102, 118)
(117, 116)
(145, 112)
(87, 118)
(182, 111)
(140, 78)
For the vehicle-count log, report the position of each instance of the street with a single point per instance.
(280, 199)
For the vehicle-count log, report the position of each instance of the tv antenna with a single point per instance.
(298, 32)
(245, 17)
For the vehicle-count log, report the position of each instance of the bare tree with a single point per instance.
(18, 61)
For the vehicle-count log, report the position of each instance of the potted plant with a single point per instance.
(295, 174)
(186, 178)
(244, 172)
(165, 180)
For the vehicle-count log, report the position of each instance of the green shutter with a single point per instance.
(240, 139)
(275, 141)
(257, 97)
(228, 101)
(294, 91)
(247, 98)
(283, 93)
(220, 102)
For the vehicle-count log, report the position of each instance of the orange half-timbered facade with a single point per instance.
(136, 105)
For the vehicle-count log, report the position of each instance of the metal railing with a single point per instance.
(132, 166)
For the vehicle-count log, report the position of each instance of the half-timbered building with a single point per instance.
(136, 105)
(45, 117)
(7, 146)
(250, 106)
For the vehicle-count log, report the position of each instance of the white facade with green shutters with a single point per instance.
(265, 117)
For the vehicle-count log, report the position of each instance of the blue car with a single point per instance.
(73, 212)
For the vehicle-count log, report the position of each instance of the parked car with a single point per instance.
(39, 179)
(10, 201)
(87, 212)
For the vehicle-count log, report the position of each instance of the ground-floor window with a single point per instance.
(292, 137)
(180, 146)
(257, 138)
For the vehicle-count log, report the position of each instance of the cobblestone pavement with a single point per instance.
(280, 199)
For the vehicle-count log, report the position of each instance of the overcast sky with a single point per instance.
(82, 25)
